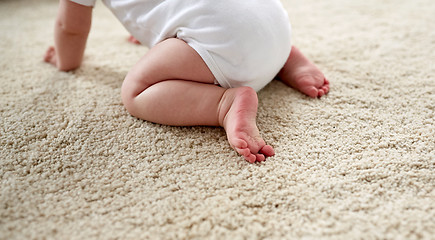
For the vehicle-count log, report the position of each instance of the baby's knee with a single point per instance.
(127, 97)
(130, 90)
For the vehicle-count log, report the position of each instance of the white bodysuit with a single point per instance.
(243, 42)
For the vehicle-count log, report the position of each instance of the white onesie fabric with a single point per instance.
(243, 42)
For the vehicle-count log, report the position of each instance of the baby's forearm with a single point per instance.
(70, 47)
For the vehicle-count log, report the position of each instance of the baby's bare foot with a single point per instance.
(133, 40)
(301, 74)
(238, 111)
(50, 56)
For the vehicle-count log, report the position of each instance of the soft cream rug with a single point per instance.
(356, 164)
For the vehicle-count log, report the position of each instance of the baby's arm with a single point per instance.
(71, 32)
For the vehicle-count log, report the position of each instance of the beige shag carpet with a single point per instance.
(356, 164)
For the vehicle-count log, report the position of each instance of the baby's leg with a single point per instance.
(301, 74)
(172, 85)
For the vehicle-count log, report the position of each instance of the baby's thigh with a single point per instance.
(171, 59)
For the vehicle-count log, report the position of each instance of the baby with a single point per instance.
(206, 61)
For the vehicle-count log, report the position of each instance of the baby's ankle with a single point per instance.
(225, 103)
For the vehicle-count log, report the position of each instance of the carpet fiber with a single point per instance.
(358, 163)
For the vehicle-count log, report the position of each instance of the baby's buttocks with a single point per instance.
(244, 43)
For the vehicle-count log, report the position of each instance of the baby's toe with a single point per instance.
(260, 157)
(326, 89)
(251, 158)
(311, 91)
(239, 143)
(244, 152)
(321, 93)
(267, 150)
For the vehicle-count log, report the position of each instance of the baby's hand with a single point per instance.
(50, 56)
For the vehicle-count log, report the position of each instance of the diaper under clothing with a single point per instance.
(243, 42)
